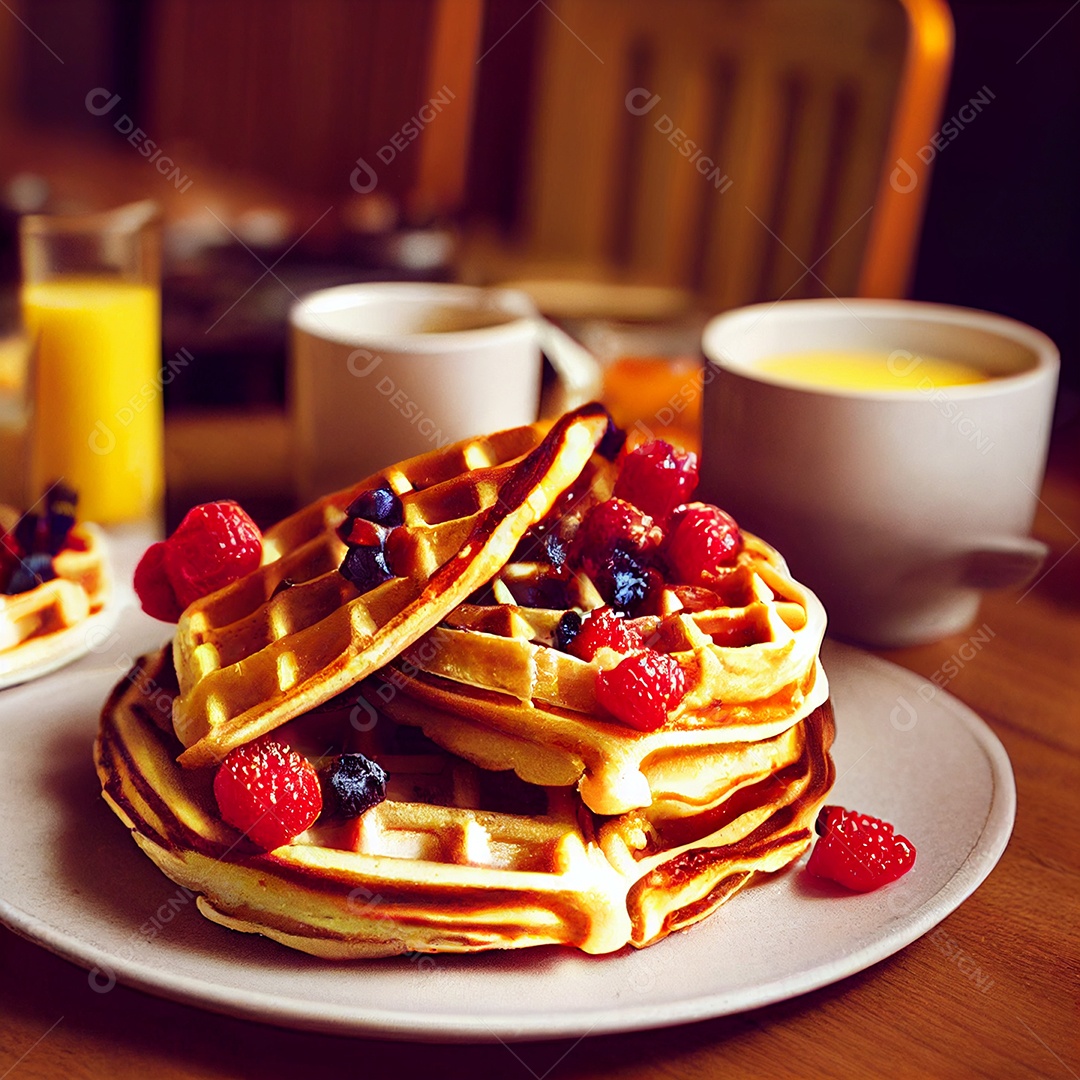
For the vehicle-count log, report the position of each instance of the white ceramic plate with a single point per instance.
(63, 648)
(74, 882)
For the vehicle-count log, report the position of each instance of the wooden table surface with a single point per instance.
(994, 991)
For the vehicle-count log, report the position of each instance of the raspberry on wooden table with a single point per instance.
(268, 791)
(657, 477)
(642, 689)
(858, 851)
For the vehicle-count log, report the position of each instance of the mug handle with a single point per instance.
(581, 378)
(1000, 562)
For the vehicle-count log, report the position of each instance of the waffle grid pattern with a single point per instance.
(295, 633)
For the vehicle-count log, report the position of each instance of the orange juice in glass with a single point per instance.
(15, 412)
(91, 305)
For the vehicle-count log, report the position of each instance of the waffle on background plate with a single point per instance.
(41, 624)
(518, 812)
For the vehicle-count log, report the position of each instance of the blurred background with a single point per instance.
(639, 166)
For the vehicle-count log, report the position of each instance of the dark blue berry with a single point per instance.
(365, 567)
(351, 784)
(628, 580)
(60, 505)
(379, 505)
(30, 573)
(612, 441)
(569, 627)
(30, 533)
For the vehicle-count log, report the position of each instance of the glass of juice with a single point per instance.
(15, 407)
(91, 305)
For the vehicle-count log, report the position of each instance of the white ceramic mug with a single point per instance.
(896, 506)
(381, 371)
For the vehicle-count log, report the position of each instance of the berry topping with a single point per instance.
(626, 582)
(857, 851)
(612, 441)
(363, 532)
(351, 784)
(32, 571)
(215, 545)
(379, 505)
(48, 531)
(615, 545)
(152, 587)
(59, 517)
(372, 517)
(657, 477)
(642, 689)
(365, 567)
(569, 627)
(702, 540)
(556, 548)
(268, 791)
(613, 522)
(603, 628)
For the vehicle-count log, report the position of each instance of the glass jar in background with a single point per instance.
(653, 376)
(91, 305)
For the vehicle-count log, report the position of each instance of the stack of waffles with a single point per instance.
(519, 811)
(41, 624)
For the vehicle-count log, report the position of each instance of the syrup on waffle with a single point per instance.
(296, 632)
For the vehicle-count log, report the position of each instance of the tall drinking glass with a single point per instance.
(91, 303)
(15, 406)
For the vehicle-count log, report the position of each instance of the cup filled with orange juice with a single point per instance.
(16, 372)
(892, 450)
(91, 305)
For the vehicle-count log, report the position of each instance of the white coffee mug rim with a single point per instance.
(304, 314)
(1043, 348)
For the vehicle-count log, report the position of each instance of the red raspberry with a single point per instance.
(615, 545)
(642, 689)
(702, 540)
(857, 851)
(656, 478)
(603, 628)
(215, 545)
(152, 586)
(268, 791)
(611, 524)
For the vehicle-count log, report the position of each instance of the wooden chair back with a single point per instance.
(742, 149)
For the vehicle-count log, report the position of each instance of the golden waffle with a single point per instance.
(256, 654)
(431, 869)
(683, 865)
(426, 870)
(41, 623)
(505, 698)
